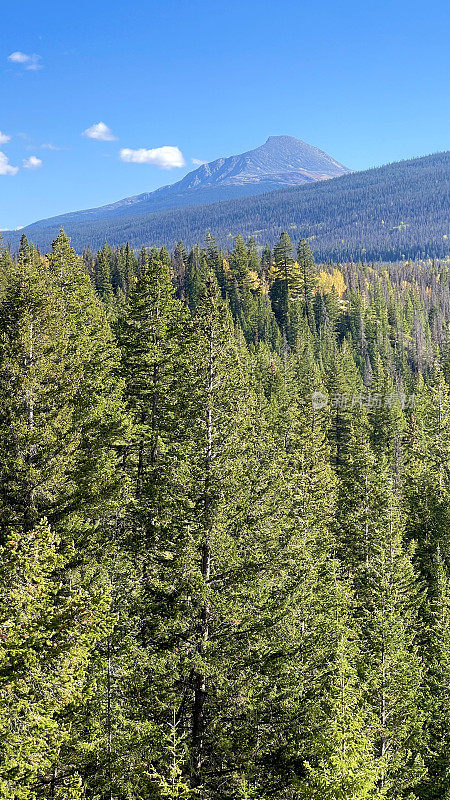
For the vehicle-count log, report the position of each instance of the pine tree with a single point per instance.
(48, 627)
(237, 533)
(341, 762)
(103, 275)
(282, 279)
(60, 415)
(389, 595)
(149, 597)
(436, 644)
(179, 268)
(307, 269)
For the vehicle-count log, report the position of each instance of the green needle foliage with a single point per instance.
(224, 525)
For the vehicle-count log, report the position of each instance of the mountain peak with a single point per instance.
(280, 161)
(283, 138)
(303, 155)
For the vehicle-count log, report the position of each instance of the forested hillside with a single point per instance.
(224, 513)
(393, 212)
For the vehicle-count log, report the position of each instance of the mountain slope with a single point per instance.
(281, 161)
(399, 210)
(390, 212)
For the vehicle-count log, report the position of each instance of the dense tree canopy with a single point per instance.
(224, 516)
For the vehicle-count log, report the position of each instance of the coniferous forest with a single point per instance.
(224, 517)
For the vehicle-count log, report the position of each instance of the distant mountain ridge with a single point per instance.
(281, 161)
(401, 210)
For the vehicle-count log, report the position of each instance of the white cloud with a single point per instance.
(198, 162)
(100, 132)
(18, 57)
(5, 167)
(4, 138)
(164, 157)
(32, 163)
(26, 60)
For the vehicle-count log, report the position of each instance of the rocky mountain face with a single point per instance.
(281, 161)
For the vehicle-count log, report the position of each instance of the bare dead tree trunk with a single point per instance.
(30, 401)
(155, 421)
(53, 782)
(198, 726)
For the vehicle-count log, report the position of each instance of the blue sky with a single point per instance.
(366, 81)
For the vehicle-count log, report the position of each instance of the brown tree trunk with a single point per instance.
(198, 718)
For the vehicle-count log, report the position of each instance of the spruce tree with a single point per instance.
(60, 417)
